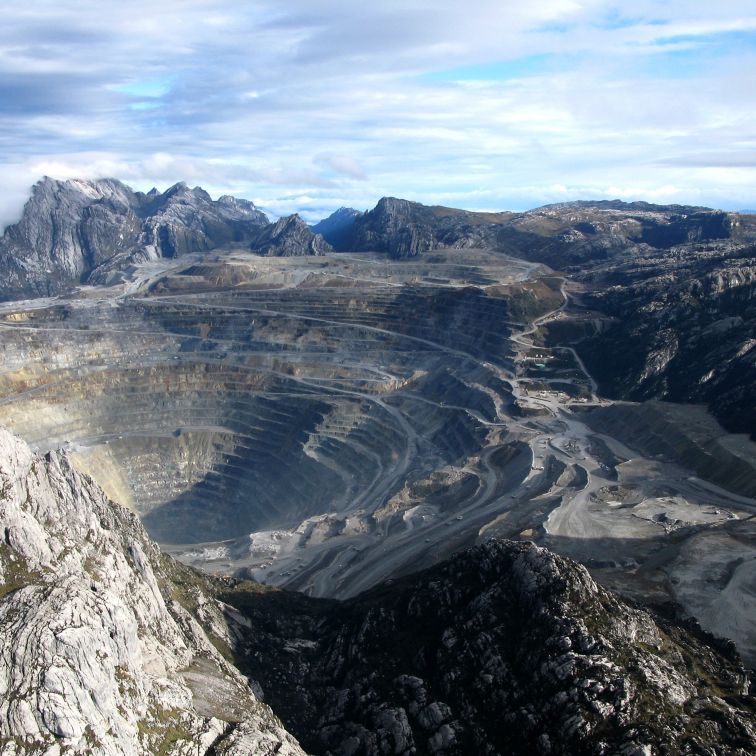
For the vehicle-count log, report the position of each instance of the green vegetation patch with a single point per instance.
(162, 730)
(15, 571)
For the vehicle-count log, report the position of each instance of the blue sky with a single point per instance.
(307, 105)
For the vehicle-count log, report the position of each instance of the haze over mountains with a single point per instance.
(331, 409)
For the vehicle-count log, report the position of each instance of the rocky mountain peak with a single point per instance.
(398, 227)
(180, 187)
(86, 231)
(50, 197)
(343, 212)
(337, 228)
(403, 228)
(395, 206)
(504, 648)
(289, 236)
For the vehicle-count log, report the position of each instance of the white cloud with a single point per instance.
(328, 103)
(341, 164)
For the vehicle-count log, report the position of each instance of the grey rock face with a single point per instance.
(289, 237)
(555, 234)
(406, 229)
(675, 288)
(184, 220)
(396, 226)
(67, 229)
(505, 648)
(684, 331)
(337, 228)
(75, 231)
(98, 655)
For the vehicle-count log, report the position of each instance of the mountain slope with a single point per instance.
(109, 648)
(505, 648)
(405, 229)
(672, 302)
(681, 329)
(289, 237)
(69, 229)
(336, 229)
(98, 655)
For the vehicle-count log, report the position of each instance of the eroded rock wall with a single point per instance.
(98, 654)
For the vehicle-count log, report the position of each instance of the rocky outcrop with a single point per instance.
(184, 220)
(76, 231)
(571, 235)
(396, 226)
(505, 648)
(405, 229)
(337, 228)
(98, 654)
(289, 237)
(66, 230)
(686, 228)
(683, 328)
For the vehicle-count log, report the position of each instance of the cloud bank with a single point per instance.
(306, 106)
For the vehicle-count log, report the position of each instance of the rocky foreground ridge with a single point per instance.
(98, 656)
(506, 648)
(110, 648)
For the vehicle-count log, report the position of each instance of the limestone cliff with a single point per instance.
(97, 653)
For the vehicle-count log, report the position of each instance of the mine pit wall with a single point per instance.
(243, 410)
(684, 434)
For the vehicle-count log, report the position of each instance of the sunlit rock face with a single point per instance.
(99, 655)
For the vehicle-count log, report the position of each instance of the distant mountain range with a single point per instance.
(75, 231)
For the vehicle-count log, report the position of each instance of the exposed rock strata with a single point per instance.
(675, 285)
(98, 655)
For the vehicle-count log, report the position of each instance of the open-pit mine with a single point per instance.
(327, 422)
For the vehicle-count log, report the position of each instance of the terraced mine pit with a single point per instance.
(325, 423)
